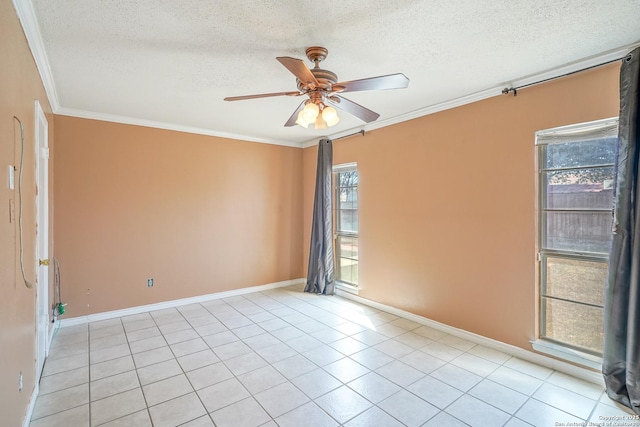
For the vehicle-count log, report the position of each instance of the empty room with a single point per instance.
(296, 213)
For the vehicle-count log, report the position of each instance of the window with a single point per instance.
(346, 223)
(576, 167)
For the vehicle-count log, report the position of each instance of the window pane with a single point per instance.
(348, 271)
(576, 280)
(348, 247)
(348, 198)
(574, 324)
(579, 189)
(578, 231)
(347, 259)
(348, 179)
(576, 194)
(575, 154)
(346, 225)
(348, 220)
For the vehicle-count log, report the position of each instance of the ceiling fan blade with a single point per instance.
(294, 116)
(300, 70)
(352, 108)
(391, 81)
(263, 95)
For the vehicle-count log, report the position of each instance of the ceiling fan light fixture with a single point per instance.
(330, 115)
(321, 86)
(320, 123)
(310, 112)
(301, 121)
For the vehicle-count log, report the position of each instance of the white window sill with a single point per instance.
(347, 288)
(568, 354)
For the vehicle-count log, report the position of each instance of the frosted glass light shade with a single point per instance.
(310, 112)
(320, 123)
(330, 115)
(301, 121)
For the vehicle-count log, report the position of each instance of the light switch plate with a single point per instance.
(12, 177)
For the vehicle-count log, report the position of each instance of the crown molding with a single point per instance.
(83, 114)
(29, 22)
(573, 67)
(560, 71)
(442, 106)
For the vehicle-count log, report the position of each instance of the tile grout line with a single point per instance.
(183, 372)
(289, 380)
(297, 306)
(387, 338)
(268, 364)
(227, 367)
(345, 384)
(67, 388)
(220, 360)
(208, 414)
(241, 339)
(543, 381)
(144, 396)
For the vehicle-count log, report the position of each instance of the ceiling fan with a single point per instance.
(322, 89)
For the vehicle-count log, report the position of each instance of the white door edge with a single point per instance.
(42, 236)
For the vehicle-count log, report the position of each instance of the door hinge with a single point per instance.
(44, 261)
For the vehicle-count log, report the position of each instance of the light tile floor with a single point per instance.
(286, 358)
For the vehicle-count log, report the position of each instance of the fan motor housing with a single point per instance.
(326, 79)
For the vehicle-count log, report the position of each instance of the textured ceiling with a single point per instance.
(173, 62)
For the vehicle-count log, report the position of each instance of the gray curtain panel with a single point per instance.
(320, 274)
(621, 353)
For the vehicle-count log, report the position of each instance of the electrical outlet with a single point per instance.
(150, 282)
(20, 384)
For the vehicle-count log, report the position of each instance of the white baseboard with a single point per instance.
(558, 365)
(570, 369)
(32, 404)
(174, 303)
(52, 331)
(36, 389)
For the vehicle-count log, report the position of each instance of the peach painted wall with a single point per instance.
(20, 85)
(447, 204)
(198, 214)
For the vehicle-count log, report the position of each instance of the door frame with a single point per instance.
(42, 237)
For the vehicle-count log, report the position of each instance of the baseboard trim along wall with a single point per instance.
(175, 303)
(32, 404)
(52, 333)
(530, 356)
(36, 389)
(567, 368)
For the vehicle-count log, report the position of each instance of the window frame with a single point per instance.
(575, 133)
(337, 234)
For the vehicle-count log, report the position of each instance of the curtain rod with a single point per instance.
(360, 132)
(506, 90)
